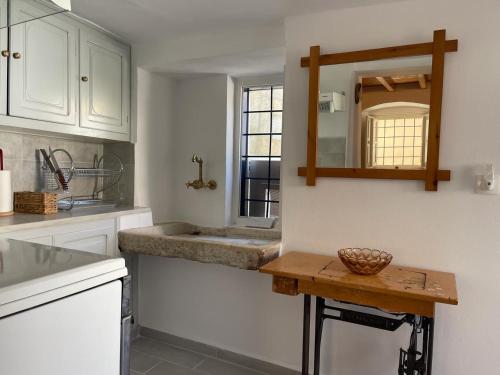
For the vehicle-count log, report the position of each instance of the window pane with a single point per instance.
(258, 145)
(274, 210)
(278, 99)
(409, 122)
(261, 151)
(255, 168)
(276, 145)
(255, 189)
(275, 167)
(260, 100)
(398, 141)
(256, 209)
(277, 122)
(259, 122)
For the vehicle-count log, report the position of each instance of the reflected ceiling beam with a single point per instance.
(421, 81)
(386, 84)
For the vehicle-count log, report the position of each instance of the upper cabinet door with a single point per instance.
(3, 59)
(43, 70)
(105, 83)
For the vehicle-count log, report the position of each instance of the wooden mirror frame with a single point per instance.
(432, 174)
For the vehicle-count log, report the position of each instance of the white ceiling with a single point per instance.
(150, 20)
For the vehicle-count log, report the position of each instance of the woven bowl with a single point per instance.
(365, 261)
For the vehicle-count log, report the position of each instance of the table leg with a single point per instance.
(431, 346)
(318, 332)
(306, 332)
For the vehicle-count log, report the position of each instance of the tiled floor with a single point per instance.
(154, 357)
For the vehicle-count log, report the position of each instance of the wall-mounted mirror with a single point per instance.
(377, 113)
(13, 12)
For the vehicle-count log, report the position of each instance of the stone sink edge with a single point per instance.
(169, 240)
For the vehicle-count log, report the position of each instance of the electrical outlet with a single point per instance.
(487, 186)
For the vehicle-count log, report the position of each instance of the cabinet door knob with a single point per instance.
(85, 79)
(16, 55)
(5, 53)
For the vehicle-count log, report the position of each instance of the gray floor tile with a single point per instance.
(179, 342)
(255, 364)
(134, 373)
(166, 368)
(167, 352)
(215, 367)
(142, 362)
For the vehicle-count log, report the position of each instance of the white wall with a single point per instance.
(154, 149)
(217, 305)
(451, 230)
(222, 306)
(202, 127)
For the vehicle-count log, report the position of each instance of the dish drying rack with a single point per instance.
(57, 179)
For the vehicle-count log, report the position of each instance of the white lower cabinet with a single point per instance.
(98, 241)
(97, 236)
(34, 237)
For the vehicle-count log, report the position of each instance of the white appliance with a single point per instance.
(62, 311)
(332, 102)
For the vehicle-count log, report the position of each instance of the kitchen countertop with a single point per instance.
(31, 221)
(32, 274)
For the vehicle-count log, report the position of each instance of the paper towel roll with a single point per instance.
(6, 196)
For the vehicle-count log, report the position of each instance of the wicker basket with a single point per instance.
(35, 203)
(365, 261)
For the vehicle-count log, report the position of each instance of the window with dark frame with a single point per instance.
(261, 129)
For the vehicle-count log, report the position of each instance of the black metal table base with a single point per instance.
(416, 360)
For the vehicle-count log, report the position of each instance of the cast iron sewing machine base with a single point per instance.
(417, 360)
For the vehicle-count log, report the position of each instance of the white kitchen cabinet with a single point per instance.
(35, 236)
(104, 83)
(86, 233)
(3, 59)
(43, 67)
(98, 241)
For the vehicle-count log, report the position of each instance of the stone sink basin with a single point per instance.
(245, 248)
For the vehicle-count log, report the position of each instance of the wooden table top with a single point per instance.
(394, 281)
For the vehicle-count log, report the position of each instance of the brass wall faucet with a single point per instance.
(199, 183)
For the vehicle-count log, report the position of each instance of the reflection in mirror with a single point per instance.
(22, 11)
(375, 114)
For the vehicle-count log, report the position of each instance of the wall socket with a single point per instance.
(487, 182)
